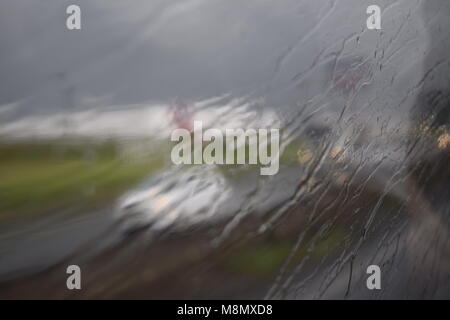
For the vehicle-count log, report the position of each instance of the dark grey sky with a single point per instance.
(138, 50)
(142, 49)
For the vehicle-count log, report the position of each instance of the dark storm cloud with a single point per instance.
(140, 50)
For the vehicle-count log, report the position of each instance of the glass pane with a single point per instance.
(109, 113)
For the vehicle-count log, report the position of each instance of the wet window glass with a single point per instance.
(214, 149)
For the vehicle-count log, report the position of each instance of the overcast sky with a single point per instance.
(136, 51)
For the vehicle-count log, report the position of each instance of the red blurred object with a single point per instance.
(182, 115)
